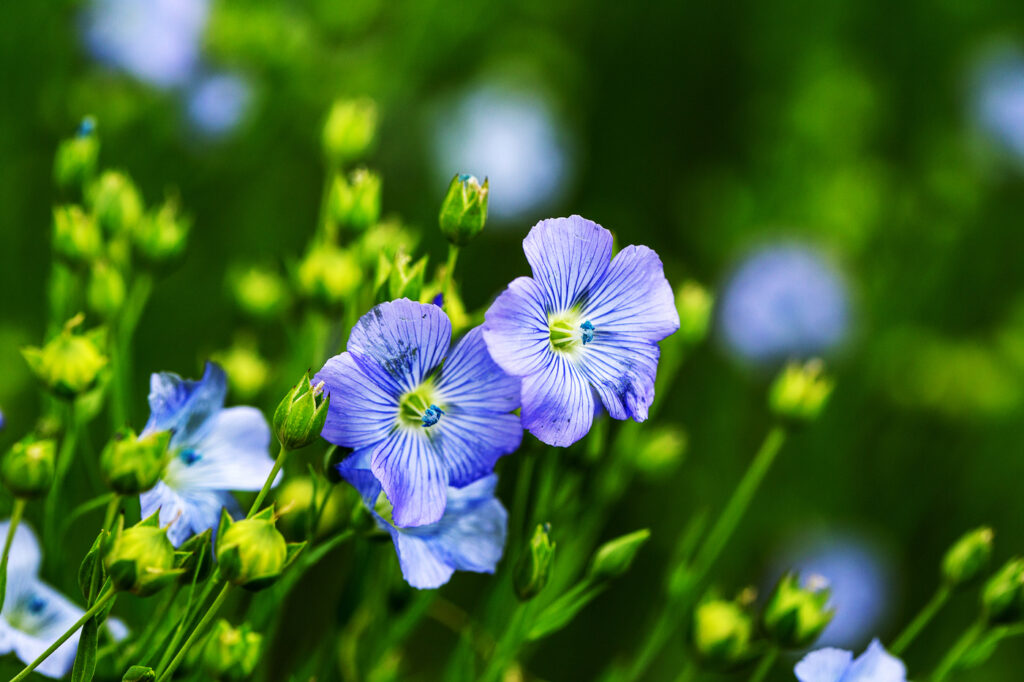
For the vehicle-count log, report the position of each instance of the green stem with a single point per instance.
(82, 510)
(765, 666)
(921, 620)
(12, 527)
(121, 404)
(507, 647)
(688, 671)
(196, 634)
(278, 463)
(64, 458)
(449, 268)
(186, 620)
(100, 603)
(156, 621)
(953, 656)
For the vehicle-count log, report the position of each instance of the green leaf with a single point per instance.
(90, 564)
(85, 659)
(560, 612)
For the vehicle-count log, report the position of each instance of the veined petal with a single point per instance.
(363, 406)
(184, 406)
(232, 455)
(472, 532)
(633, 298)
(558, 404)
(472, 380)
(413, 475)
(568, 257)
(516, 328)
(422, 568)
(408, 340)
(824, 665)
(471, 441)
(622, 369)
(876, 665)
(25, 555)
(43, 615)
(187, 512)
(356, 470)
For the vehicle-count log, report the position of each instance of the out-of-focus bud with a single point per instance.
(694, 304)
(365, 208)
(721, 633)
(252, 553)
(349, 129)
(298, 508)
(247, 371)
(76, 236)
(106, 290)
(139, 673)
(69, 364)
(132, 465)
(464, 209)
(141, 559)
(27, 468)
(796, 614)
(385, 239)
(300, 416)
(116, 202)
(259, 292)
(534, 566)
(800, 392)
(406, 277)
(1003, 595)
(162, 235)
(968, 557)
(231, 654)
(76, 156)
(614, 557)
(195, 558)
(328, 274)
(661, 450)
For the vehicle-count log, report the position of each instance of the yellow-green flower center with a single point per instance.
(419, 407)
(568, 331)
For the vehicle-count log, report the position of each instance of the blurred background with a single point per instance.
(848, 178)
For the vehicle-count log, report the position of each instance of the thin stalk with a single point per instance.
(12, 527)
(196, 633)
(953, 656)
(449, 268)
(765, 666)
(278, 463)
(64, 458)
(507, 647)
(138, 296)
(186, 620)
(921, 620)
(688, 672)
(156, 621)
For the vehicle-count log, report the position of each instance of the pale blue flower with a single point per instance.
(838, 665)
(217, 103)
(998, 100)
(213, 450)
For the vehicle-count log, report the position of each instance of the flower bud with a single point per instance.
(195, 558)
(252, 553)
(69, 364)
(800, 392)
(132, 465)
(795, 615)
(721, 633)
(660, 451)
(231, 654)
(349, 130)
(464, 209)
(387, 239)
(694, 304)
(27, 468)
(364, 210)
(968, 557)
(328, 274)
(106, 292)
(300, 416)
(614, 557)
(115, 202)
(139, 673)
(161, 236)
(246, 369)
(1003, 594)
(259, 292)
(406, 278)
(534, 566)
(76, 156)
(76, 236)
(141, 559)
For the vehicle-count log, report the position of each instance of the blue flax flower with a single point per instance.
(213, 450)
(584, 328)
(470, 536)
(34, 614)
(837, 665)
(421, 422)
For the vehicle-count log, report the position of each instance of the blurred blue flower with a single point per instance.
(3, 422)
(511, 137)
(837, 665)
(156, 41)
(998, 100)
(217, 103)
(583, 326)
(421, 425)
(470, 536)
(213, 450)
(784, 302)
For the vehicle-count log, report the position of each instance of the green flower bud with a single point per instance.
(27, 468)
(328, 275)
(161, 236)
(69, 364)
(295, 502)
(660, 451)
(364, 209)
(800, 392)
(300, 416)
(106, 292)
(76, 236)
(259, 292)
(721, 633)
(141, 559)
(139, 673)
(406, 277)
(252, 553)
(694, 304)
(464, 209)
(349, 129)
(247, 371)
(195, 558)
(795, 615)
(385, 240)
(116, 202)
(1003, 595)
(76, 156)
(968, 557)
(231, 654)
(132, 465)
(534, 566)
(614, 557)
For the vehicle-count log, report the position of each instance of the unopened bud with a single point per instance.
(116, 202)
(328, 274)
(694, 304)
(252, 553)
(464, 209)
(231, 654)
(139, 673)
(131, 464)
(76, 156)
(660, 450)
(142, 559)
(27, 468)
(246, 369)
(106, 292)
(796, 614)
(968, 557)
(406, 277)
(259, 292)
(76, 236)
(801, 391)
(1003, 595)
(534, 566)
(614, 557)
(300, 416)
(70, 363)
(349, 130)
(162, 234)
(721, 633)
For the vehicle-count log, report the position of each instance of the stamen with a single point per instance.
(588, 332)
(189, 456)
(432, 416)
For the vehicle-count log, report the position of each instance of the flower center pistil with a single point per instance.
(417, 408)
(566, 332)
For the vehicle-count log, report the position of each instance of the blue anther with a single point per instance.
(431, 416)
(189, 456)
(588, 332)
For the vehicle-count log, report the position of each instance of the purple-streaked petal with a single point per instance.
(187, 512)
(183, 406)
(413, 475)
(876, 665)
(568, 257)
(516, 328)
(558, 404)
(232, 455)
(472, 532)
(633, 298)
(471, 379)
(824, 665)
(363, 408)
(356, 470)
(471, 442)
(622, 370)
(406, 339)
(421, 566)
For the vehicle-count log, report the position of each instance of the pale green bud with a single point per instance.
(132, 465)
(27, 468)
(141, 559)
(968, 558)
(364, 210)
(231, 654)
(796, 614)
(107, 291)
(76, 236)
(694, 304)
(406, 277)
(300, 416)
(614, 557)
(76, 156)
(1003, 595)
(722, 632)
(252, 553)
(116, 202)
(464, 209)
(69, 364)
(800, 392)
(534, 566)
(328, 274)
(139, 673)
(384, 239)
(162, 234)
(349, 130)
(259, 292)
(246, 369)
(660, 451)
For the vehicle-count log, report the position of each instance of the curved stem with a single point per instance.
(765, 666)
(196, 634)
(449, 269)
(278, 463)
(12, 527)
(953, 656)
(159, 617)
(921, 620)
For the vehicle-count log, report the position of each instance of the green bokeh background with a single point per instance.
(700, 129)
